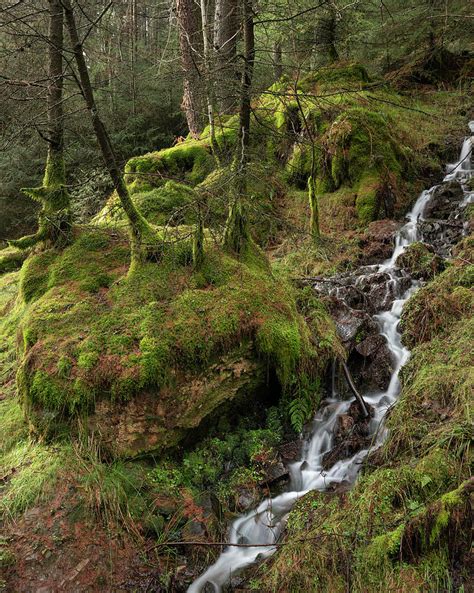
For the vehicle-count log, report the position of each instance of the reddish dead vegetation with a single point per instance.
(58, 550)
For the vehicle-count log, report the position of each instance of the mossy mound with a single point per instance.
(339, 73)
(407, 521)
(11, 259)
(190, 160)
(170, 204)
(433, 310)
(420, 261)
(179, 341)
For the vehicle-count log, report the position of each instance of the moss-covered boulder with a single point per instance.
(145, 357)
(420, 261)
(11, 259)
(170, 204)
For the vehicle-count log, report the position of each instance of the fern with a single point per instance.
(305, 399)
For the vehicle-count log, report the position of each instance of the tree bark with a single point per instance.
(190, 43)
(277, 61)
(141, 232)
(225, 47)
(246, 83)
(54, 218)
(236, 233)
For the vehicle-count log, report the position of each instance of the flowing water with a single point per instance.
(257, 530)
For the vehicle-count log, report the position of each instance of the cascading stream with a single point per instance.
(263, 525)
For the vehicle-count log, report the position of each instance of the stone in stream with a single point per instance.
(351, 434)
(444, 199)
(377, 241)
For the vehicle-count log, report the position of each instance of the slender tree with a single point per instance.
(236, 232)
(54, 218)
(144, 241)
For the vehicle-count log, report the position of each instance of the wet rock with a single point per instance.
(352, 326)
(377, 241)
(351, 434)
(274, 472)
(290, 452)
(247, 498)
(375, 368)
(365, 289)
(444, 198)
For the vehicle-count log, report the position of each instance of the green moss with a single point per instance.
(34, 276)
(436, 307)
(11, 259)
(190, 160)
(128, 332)
(420, 261)
(337, 74)
(367, 201)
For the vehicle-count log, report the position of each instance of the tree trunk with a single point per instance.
(190, 47)
(277, 61)
(209, 81)
(225, 46)
(54, 218)
(143, 239)
(246, 83)
(236, 233)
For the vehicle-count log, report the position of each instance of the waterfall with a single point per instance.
(262, 526)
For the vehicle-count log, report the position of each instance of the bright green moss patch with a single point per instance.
(190, 160)
(34, 275)
(172, 203)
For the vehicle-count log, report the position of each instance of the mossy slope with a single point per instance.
(370, 146)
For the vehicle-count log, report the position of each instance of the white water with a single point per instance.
(263, 525)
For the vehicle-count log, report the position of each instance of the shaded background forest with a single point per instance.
(136, 53)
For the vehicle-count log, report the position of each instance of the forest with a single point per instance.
(236, 296)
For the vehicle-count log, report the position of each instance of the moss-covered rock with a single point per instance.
(420, 261)
(170, 204)
(11, 259)
(161, 347)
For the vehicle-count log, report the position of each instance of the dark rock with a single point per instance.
(273, 472)
(290, 452)
(351, 434)
(247, 498)
(352, 325)
(444, 198)
(377, 241)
